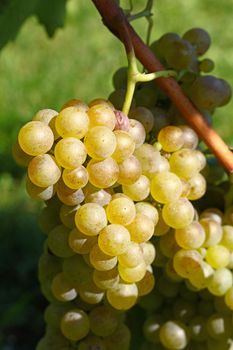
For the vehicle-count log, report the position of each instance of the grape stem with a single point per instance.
(113, 17)
(134, 76)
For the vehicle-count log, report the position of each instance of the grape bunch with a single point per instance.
(124, 229)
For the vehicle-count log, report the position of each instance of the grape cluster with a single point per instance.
(183, 55)
(122, 230)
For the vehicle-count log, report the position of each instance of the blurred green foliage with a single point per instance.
(37, 72)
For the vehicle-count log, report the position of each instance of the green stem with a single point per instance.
(134, 76)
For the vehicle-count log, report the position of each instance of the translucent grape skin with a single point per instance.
(35, 138)
(178, 214)
(123, 296)
(103, 173)
(75, 324)
(90, 219)
(70, 153)
(100, 260)
(171, 138)
(130, 171)
(75, 178)
(139, 190)
(132, 274)
(100, 142)
(125, 146)
(121, 211)
(166, 187)
(174, 335)
(43, 171)
(62, 289)
(114, 239)
(132, 257)
(101, 114)
(72, 122)
(141, 228)
(190, 237)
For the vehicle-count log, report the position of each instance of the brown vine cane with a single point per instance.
(116, 21)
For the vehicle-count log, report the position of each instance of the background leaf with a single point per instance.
(13, 13)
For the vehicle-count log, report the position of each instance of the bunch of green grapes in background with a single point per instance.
(123, 219)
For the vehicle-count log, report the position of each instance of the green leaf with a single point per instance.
(51, 13)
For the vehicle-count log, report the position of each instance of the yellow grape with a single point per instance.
(186, 162)
(90, 293)
(218, 256)
(149, 158)
(137, 132)
(187, 262)
(90, 219)
(220, 282)
(197, 186)
(125, 146)
(40, 193)
(114, 239)
(213, 232)
(132, 274)
(81, 243)
(179, 213)
(171, 138)
(100, 101)
(68, 196)
(43, 170)
(72, 122)
(62, 289)
(166, 187)
(103, 173)
(130, 171)
(45, 115)
(79, 104)
(70, 153)
(75, 325)
(75, 178)
(96, 195)
(191, 236)
(227, 237)
(100, 142)
(123, 296)
(35, 138)
(101, 114)
(146, 284)
(141, 228)
(168, 245)
(147, 209)
(148, 252)
(139, 190)
(121, 211)
(106, 279)
(100, 260)
(174, 335)
(132, 257)
(190, 137)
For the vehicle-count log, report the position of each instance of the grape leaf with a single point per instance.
(51, 13)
